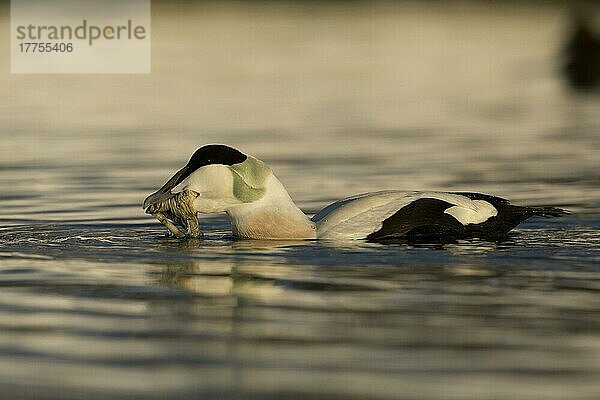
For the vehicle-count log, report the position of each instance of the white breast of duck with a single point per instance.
(223, 179)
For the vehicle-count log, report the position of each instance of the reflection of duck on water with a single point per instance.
(219, 178)
(582, 53)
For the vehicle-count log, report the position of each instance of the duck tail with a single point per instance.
(546, 212)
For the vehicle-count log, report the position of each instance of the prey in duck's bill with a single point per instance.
(219, 178)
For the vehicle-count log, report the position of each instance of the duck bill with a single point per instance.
(164, 192)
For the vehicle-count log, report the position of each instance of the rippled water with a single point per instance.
(96, 302)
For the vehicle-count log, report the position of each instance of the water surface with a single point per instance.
(96, 302)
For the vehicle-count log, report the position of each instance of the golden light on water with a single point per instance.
(339, 99)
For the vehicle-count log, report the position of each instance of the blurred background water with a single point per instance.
(339, 98)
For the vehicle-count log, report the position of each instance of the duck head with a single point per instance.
(223, 179)
(220, 175)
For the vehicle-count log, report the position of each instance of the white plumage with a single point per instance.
(358, 216)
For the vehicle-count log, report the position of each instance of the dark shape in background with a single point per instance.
(582, 66)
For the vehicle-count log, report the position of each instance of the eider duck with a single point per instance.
(219, 178)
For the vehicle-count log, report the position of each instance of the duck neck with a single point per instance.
(274, 216)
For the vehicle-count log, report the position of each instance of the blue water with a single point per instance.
(97, 302)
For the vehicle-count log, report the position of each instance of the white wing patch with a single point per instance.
(359, 216)
(480, 211)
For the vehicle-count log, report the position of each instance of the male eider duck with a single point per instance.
(219, 178)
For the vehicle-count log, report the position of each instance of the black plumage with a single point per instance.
(425, 220)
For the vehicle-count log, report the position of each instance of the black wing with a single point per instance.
(508, 217)
(423, 220)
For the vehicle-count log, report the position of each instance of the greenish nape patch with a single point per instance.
(249, 179)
